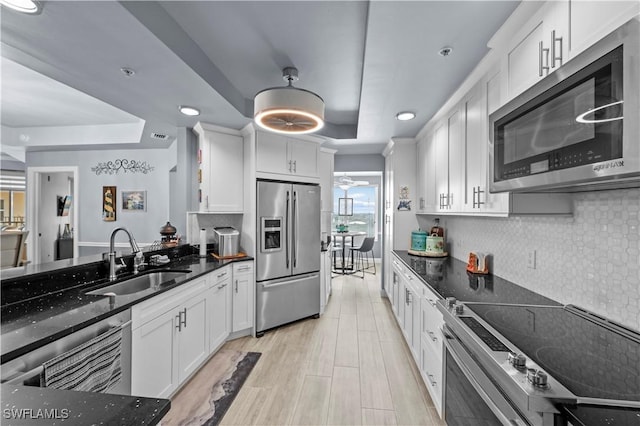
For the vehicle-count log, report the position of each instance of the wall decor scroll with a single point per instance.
(127, 166)
(109, 203)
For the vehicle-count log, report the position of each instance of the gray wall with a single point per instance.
(365, 163)
(359, 163)
(91, 228)
(183, 176)
(591, 259)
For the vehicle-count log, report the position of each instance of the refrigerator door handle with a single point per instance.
(286, 225)
(287, 281)
(294, 237)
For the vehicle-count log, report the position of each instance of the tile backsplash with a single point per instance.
(591, 259)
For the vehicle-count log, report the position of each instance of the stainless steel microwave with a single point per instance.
(578, 128)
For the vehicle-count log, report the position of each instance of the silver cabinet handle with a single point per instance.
(432, 335)
(432, 380)
(243, 268)
(179, 321)
(185, 317)
(431, 302)
(477, 191)
(206, 202)
(220, 287)
(236, 286)
(295, 166)
(289, 166)
(222, 274)
(553, 55)
(421, 203)
(296, 223)
(286, 224)
(541, 53)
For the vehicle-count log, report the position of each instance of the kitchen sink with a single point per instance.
(149, 280)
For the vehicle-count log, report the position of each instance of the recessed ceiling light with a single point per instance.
(127, 71)
(405, 115)
(190, 111)
(445, 51)
(24, 6)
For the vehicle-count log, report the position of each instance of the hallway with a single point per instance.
(349, 367)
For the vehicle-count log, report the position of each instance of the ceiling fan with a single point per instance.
(345, 182)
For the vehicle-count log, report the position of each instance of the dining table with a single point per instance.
(344, 268)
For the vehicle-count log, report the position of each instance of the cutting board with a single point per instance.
(235, 256)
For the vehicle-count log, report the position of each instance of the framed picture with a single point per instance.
(66, 205)
(134, 201)
(345, 206)
(109, 203)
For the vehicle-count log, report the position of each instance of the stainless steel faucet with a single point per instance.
(112, 251)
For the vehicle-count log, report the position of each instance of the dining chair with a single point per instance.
(362, 253)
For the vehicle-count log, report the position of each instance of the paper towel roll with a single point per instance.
(203, 243)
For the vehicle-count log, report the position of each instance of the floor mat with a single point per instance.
(209, 394)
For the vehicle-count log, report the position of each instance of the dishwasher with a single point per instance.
(28, 369)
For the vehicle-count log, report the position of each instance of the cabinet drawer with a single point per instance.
(219, 276)
(430, 322)
(243, 267)
(156, 306)
(431, 370)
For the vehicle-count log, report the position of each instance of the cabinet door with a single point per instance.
(226, 164)
(456, 162)
(218, 309)
(193, 341)
(431, 369)
(271, 153)
(243, 284)
(496, 202)
(153, 354)
(421, 170)
(304, 157)
(441, 151)
(415, 319)
(592, 20)
(540, 48)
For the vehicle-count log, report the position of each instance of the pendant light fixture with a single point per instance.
(288, 109)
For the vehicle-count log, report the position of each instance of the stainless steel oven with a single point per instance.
(576, 128)
(510, 364)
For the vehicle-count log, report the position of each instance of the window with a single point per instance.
(365, 205)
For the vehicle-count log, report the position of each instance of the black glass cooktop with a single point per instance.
(589, 357)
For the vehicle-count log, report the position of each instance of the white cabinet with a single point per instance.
(219, 307)
(169, 339)
(325, 278)
(592, 20)
(221, 169)
(242, 296)
(325, 164)
(538, 48)
(431, 346)
(415, 309)
(282, 155)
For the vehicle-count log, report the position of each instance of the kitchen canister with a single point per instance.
(418, 240)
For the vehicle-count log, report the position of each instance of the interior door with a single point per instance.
(273, 258)
(305, 239)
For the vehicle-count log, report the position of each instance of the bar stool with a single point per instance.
(361, 253)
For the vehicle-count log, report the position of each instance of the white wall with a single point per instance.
(591, 259)
(91, 229)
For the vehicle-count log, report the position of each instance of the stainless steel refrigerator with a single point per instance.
(288, 255)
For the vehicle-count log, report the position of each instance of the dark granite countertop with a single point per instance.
(23, 406)
(448, 277)
(43, 307)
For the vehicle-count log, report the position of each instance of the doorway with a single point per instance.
(52, 200)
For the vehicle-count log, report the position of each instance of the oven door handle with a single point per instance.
(482, 384)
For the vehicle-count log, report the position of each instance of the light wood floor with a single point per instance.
(350, 367)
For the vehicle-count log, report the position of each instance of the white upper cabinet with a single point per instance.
(221, 169)
(286, 156)
(455, 199)
(592, 20)
(539, 48)
(325, 166)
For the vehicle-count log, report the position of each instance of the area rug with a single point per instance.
(209, 394)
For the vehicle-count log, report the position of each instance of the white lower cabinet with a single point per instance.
(169, 339)
(219, 308)
(325, 279)
(242, 296)
(175, 332)
(420, 322)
